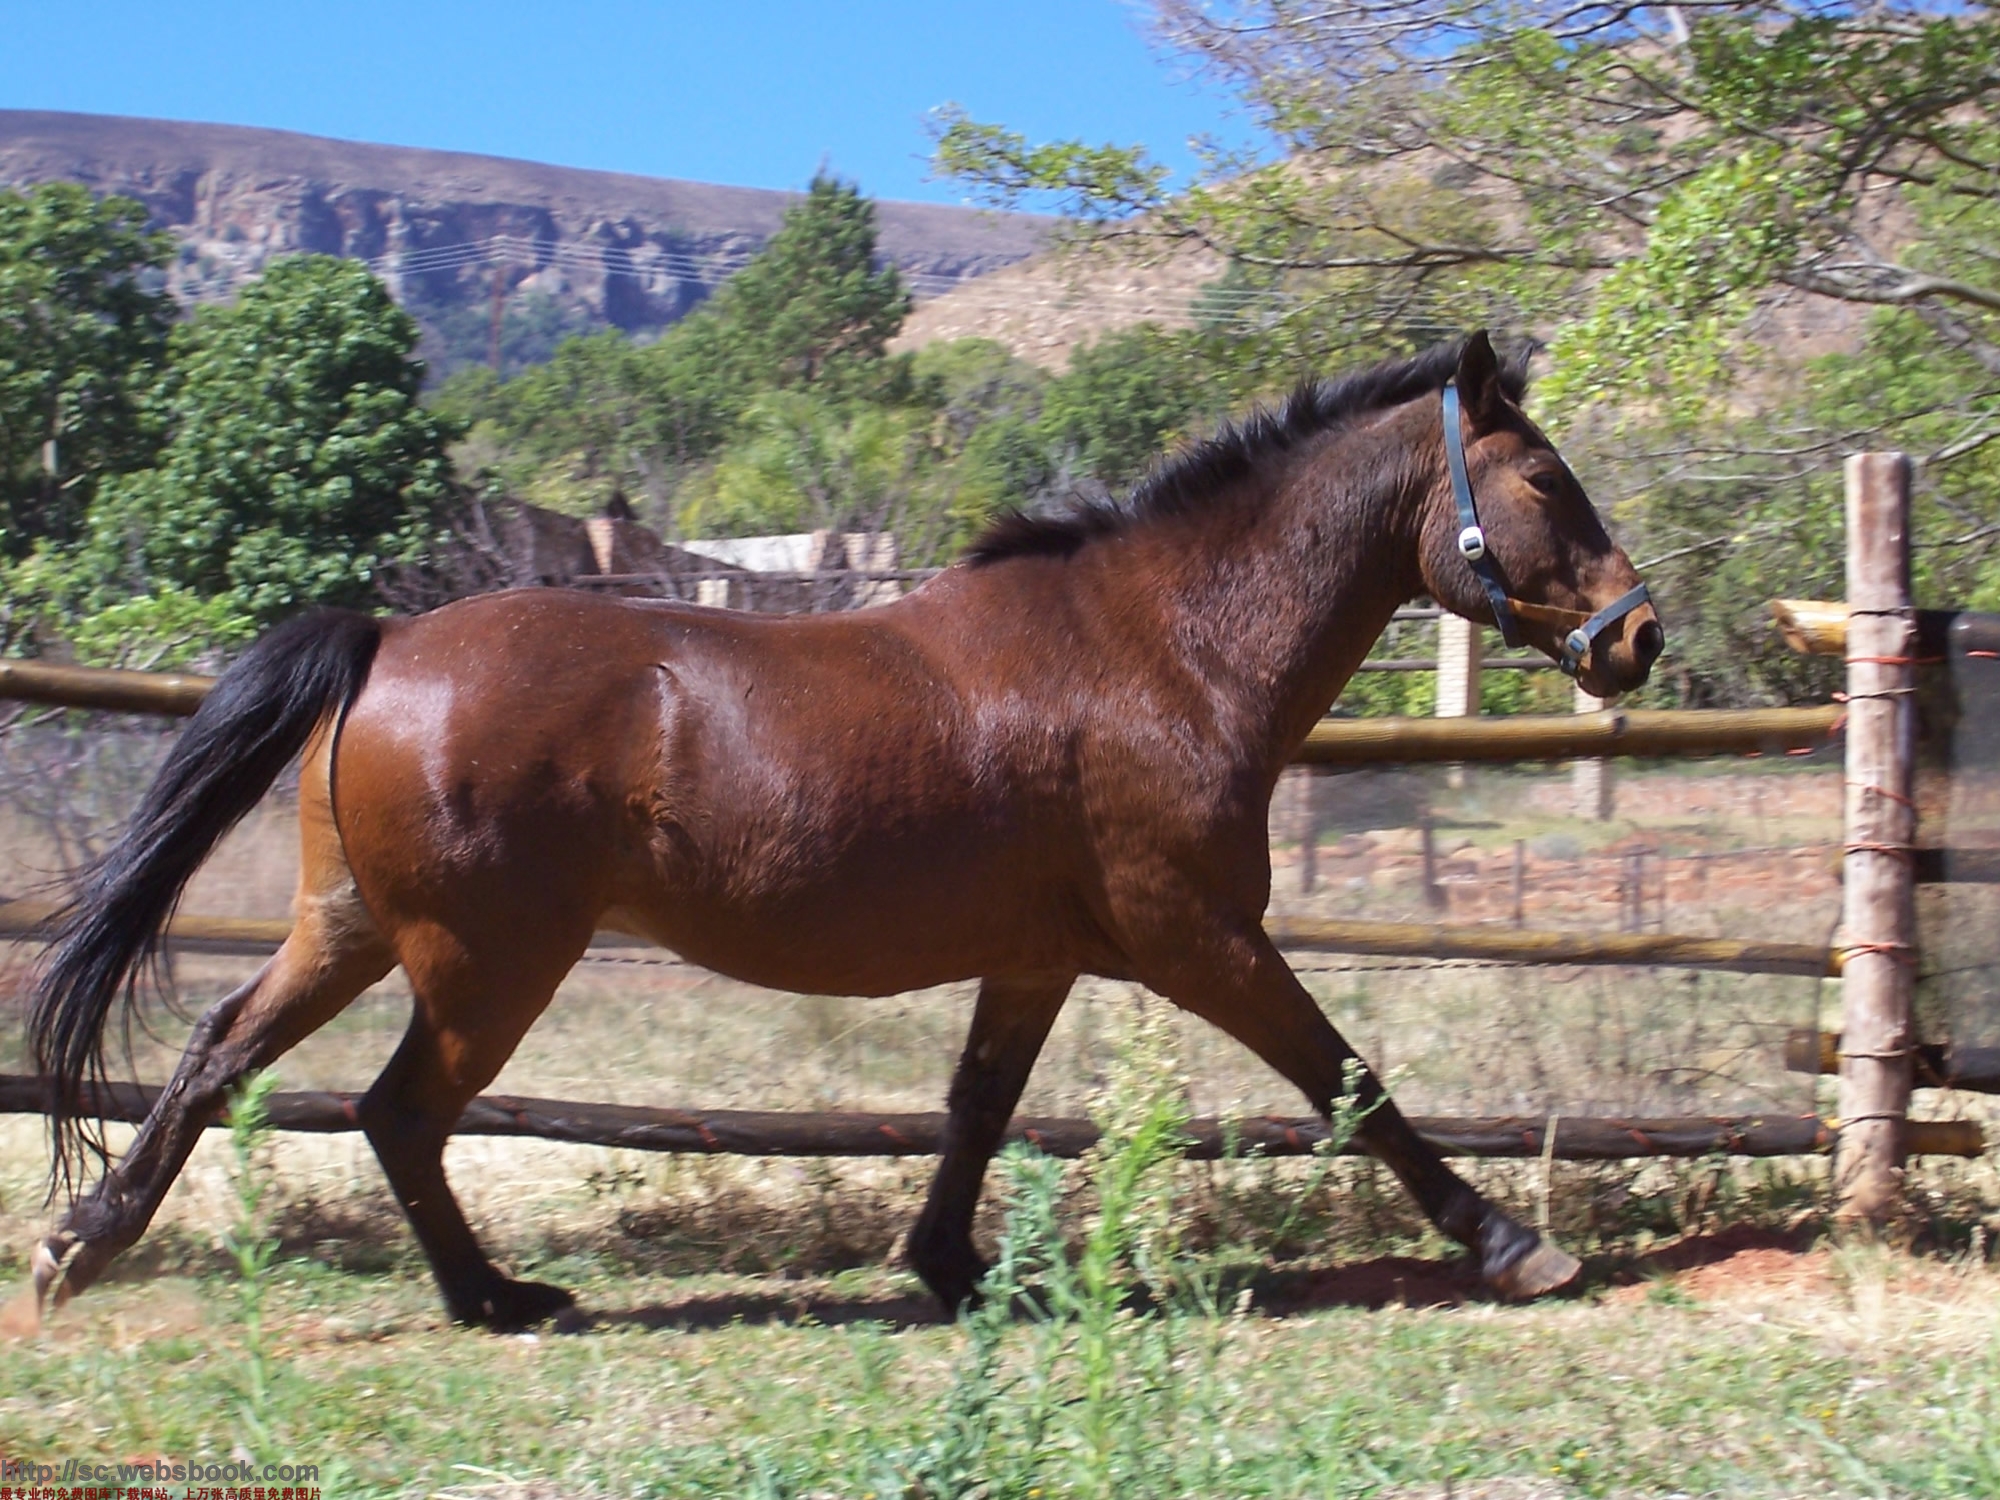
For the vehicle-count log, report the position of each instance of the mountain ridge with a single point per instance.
(599, 247)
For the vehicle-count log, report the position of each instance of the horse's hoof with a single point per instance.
(60, 1268)
(957, 1291)
(953, 1275)
(515, 1306)
(1542, 1270)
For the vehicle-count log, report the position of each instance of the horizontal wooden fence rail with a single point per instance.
(1937, 1065)
(256, 936)
(1334, 742)
(1650, 733)
(1516, 945)
(175, 693)
(1818, 627)
(773, 1133)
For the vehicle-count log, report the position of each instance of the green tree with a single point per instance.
(567, 433)
(1670, 196)
(995, 455)
(81, 341)
(812, 308)
(1643, 174)
(801, 463)
(1123, 400)
(297, 460)
(811, 311)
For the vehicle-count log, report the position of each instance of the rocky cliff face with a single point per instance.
(559, 248)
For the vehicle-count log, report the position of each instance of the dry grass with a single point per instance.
(752, 1334)
(1759, 1372)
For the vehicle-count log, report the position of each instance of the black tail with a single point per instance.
(255, 719)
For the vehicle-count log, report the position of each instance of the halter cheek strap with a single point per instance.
(1507, 610)
(1471, 535)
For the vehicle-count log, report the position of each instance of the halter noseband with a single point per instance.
(1582, 637)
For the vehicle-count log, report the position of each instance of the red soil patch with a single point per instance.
(1731, 1263)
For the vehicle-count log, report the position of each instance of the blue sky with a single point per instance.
(756, 94)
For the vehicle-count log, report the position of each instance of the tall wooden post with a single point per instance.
(1591, 779)
(1878, 914)
(1457, 678)
(1458, 668)
(1309, 828)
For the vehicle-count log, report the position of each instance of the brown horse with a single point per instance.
(1054, 759)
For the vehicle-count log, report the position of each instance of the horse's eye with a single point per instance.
(1547, 482)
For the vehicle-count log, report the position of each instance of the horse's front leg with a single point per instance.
(1009, 1024)
(1237, 980)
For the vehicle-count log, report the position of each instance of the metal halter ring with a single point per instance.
(1576, 646)
(1579, 643)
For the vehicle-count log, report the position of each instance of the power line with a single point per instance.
(975, 293)
(715, 269)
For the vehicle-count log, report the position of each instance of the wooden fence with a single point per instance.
(1880, 870)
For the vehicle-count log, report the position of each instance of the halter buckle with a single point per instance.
(1576, 646)
(1472, 543)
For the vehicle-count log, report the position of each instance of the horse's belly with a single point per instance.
(836, 946)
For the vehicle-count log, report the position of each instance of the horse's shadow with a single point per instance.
(896, 1310)
(1386, 1281)
(1381, 1282)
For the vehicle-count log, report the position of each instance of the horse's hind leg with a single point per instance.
(1253, 995)
(331, 956)
(471, 1013)
(1009, 1024)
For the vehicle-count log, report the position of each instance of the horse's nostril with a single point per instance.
(1648, 641)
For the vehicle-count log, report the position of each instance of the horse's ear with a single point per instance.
(1479, 384)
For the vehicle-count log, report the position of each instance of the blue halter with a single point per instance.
(1582, 639)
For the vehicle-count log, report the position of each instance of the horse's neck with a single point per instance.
(1277, 619)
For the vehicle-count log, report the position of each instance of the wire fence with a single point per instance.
(1737, 849)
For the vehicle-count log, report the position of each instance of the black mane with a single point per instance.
(1186, 479)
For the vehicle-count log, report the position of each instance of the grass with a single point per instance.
(1882, 1382)
(1130, 1349)
(252, 1245)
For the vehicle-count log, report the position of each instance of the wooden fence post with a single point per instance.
(1458, 668)
(1591, 779)
(1878, 913)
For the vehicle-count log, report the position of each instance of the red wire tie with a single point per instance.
(1901, 951)
(701, 1129)
(894, 1134)
(1900, 851)
(1985, 655)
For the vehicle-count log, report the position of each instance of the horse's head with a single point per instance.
(1510, 539)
